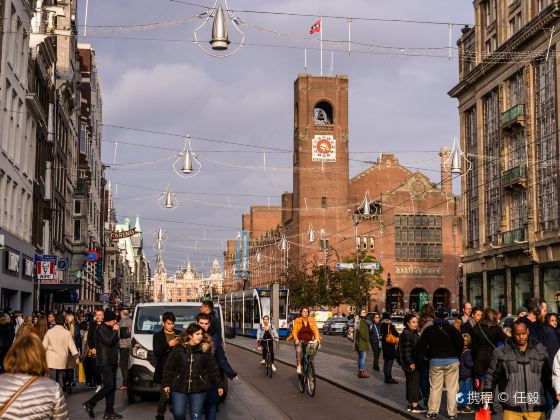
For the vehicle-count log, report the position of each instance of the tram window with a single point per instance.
(248, 312)
(283, 308)
(256, 311)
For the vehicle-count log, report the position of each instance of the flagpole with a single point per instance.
(321, 33)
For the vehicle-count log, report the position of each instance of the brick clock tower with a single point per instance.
(321, 173)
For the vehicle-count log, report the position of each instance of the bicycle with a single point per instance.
(268, 358)
(307, 379)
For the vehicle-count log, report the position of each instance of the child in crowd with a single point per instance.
(465, 376)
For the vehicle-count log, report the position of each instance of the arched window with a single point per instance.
(323, 114)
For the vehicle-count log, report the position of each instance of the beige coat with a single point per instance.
(58, 343)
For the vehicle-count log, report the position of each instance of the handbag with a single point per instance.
(390, 338)
(16, 394)
(81, 373)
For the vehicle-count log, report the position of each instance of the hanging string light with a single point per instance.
(186, 159)
(453, 164)
(167, 199)
(220, 37)
(310, 236)
(160, 240)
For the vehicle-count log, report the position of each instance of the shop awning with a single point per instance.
(89, 302)
(60, 286)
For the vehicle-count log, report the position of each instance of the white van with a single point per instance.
(321, 317)
(145, 323)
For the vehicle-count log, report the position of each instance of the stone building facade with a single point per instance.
(186, 285)
(508, 105)
(408, 223)
(17, 157)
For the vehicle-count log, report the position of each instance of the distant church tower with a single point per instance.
(320, 175)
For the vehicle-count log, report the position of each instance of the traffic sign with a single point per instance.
(344, 266)
(49, 258)
(45, 270)
(370, 266)
(62, 264)
(364, 266)
(92, 255)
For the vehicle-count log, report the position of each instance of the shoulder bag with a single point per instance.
(390, 338)
(16, 394)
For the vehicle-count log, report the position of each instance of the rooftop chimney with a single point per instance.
(446, 176)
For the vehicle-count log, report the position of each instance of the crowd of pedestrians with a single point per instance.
(43, 356)
(476, 360)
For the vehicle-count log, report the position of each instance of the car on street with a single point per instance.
(335, 325)
(398, 322)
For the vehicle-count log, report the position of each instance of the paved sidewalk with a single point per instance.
(342, 372)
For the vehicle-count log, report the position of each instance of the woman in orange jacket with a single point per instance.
(304, 330)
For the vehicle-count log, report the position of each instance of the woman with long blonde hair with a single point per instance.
(69, 324)
(26, 327)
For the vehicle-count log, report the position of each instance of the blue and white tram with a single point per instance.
(244, 310)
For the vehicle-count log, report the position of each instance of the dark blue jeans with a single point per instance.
(184, 404)
(465, 386)
(211, 404)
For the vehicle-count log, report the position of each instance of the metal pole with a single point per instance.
(321, 33)
(276, 305)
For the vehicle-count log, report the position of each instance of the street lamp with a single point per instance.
(460, 285)
(387, 297)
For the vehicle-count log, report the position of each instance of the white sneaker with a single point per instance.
(273, 368)
(298, 370)
(263, 362)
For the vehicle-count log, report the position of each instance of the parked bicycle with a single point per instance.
(307, 380)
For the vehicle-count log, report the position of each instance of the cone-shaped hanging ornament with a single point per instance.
(220, 39)
(168, 198)
(366, 205)
(310, 234)
(456, 162)
(187, 162)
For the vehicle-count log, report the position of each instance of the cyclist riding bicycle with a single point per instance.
(265, 334)
(304, 331)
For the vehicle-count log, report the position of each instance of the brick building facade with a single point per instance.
(408, 223)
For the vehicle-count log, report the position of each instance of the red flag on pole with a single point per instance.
(316, 27)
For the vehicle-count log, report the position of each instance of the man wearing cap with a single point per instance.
(107, 353)
(442, 344)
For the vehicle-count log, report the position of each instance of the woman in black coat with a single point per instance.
(190, 371)
(411, 361)
(487, 336)
(389, 350)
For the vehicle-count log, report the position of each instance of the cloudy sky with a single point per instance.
(238, 110)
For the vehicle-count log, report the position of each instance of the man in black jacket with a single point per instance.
(107, 354)
(163, 343)
(207, 307)
(98, 320)
(442, 344)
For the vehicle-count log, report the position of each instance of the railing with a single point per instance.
(515, 175)
(512, 236)
(515, 114)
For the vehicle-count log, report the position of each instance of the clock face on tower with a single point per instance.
(323, 149)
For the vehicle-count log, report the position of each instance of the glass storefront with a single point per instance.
(551, 284)
(474, 291)
(497, 292)
(522, 288)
